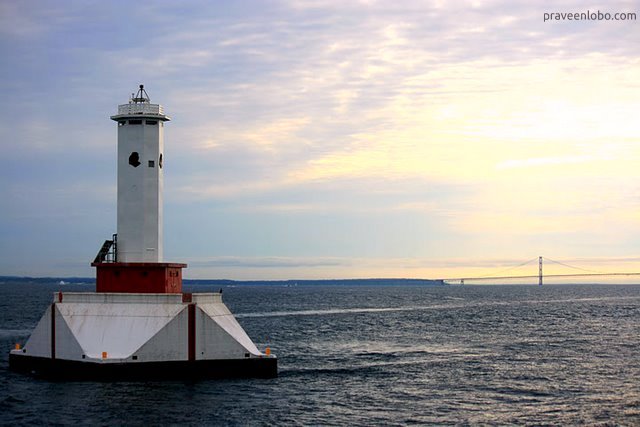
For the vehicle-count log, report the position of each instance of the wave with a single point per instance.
(467, 304)
(370, 368)
(377, 366)
(329, 311)
(11, 333)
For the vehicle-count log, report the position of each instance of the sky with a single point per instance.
(327, 139)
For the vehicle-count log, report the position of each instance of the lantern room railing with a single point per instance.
(140, 108)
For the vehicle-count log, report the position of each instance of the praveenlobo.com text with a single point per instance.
(589, 16)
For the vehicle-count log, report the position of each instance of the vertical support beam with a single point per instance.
(539, 271)
(53, 330)
(191, 316)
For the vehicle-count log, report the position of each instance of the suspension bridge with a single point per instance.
(502, 274)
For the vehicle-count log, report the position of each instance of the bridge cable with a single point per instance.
(507, 269)
(571, 266)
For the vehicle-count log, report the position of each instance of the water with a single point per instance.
(365, 355)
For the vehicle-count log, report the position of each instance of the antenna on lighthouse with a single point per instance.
(141, 96)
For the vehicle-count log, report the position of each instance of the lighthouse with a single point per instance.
(139, 324)
(140, 179)
(132, 261)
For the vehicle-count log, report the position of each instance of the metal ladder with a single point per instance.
(106, 253)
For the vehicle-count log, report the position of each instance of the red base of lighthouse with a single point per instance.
(139, 277)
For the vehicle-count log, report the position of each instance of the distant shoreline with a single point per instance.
(227, 282)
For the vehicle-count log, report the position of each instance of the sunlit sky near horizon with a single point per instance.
(327, 139)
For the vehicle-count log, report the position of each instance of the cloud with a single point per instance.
(436, 128)
(270, 262)
(543, 161)
(18, 20)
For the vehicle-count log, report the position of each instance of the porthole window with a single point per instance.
(134, 159)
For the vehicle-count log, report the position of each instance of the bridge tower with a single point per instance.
(539, 271)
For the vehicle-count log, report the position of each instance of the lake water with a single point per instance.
(371, 355)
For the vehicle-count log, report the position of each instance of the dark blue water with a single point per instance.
(365, 355)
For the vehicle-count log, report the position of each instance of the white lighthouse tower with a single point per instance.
(133, 260)
(139, 324)
(140, 179)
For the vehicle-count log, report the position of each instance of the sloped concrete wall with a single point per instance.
(117, 328)
(219, 336)
(39, 343)
(169, 343)
(67, 346)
